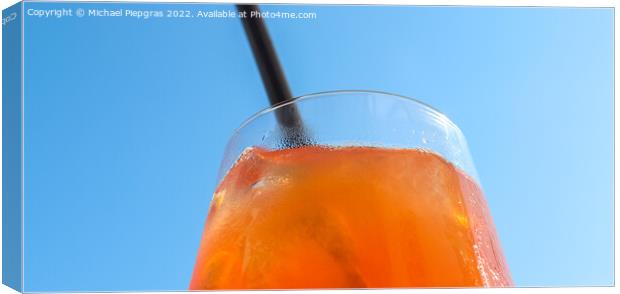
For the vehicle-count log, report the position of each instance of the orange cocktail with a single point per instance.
(347, 217)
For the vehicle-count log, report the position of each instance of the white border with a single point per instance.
(575, 3)
(565, 3)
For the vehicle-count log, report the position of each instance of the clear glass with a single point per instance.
(358, 118)
(383, 194)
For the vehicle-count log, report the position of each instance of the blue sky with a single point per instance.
(126, 122)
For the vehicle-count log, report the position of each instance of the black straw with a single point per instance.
(271, 73)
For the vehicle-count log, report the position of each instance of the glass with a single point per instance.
(386, 195)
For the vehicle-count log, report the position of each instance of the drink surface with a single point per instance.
(347, 217)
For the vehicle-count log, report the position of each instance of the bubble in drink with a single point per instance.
(347, 217)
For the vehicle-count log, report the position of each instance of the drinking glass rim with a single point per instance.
(296, 99)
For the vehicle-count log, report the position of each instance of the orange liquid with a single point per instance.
(350, 217)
